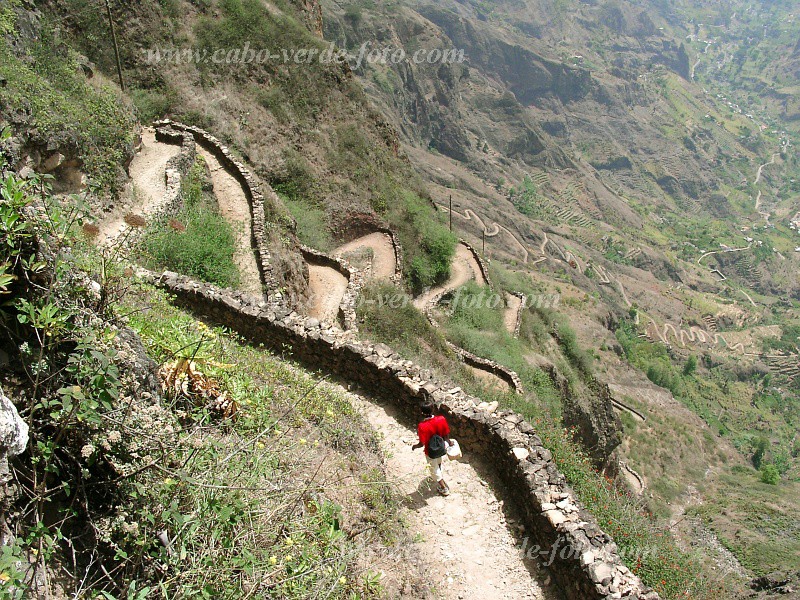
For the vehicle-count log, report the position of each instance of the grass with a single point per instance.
(312, 226)
(197, 241)
(427, 243)
(250, 503)
(649, 550)
(66, 109)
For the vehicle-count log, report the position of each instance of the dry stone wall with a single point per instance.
(355, 281)
(481, 263)
(255, 197)
(177, 168)
(398, 254)
(586, 563)
(523, 303)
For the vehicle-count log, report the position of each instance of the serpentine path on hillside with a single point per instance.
(763, 213)
(469, 544)
(693, 335)
(470, 215)
(148, 177)
(463, 269)
(711, 252)
(327, 286)
(466, 542)
(235, 209)
(384, 262)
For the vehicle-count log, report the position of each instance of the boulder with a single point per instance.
(13, 433)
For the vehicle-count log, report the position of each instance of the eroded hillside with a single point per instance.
(623, 187)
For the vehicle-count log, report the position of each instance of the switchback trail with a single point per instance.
(384, 262)
(469, 547)
(463, 269)
(235, 209)
(148, 177)
(327, 287)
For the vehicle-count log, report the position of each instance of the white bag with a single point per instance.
(454, 451)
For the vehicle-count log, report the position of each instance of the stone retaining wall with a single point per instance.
(481, 263)
(587, 564)
(507, 375)
(177, 168)
(524, 300)
(255, 197)
(355, 281)
(398, 254)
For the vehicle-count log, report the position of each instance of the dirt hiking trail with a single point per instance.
(467, 544)
(327, 287)
(514, 305)
(384, 262)
(463, 269)
(235, 208)
(147, 189)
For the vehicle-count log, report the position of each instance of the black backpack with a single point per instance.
(436, 447)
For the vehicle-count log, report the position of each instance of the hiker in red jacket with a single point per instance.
(434, 437)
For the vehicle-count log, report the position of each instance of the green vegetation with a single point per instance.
(295, 90)
(770, 474)
(428, 245)
(65, 109)
(386, 314)
(651, 551)
(197, 241)
(217, 479)
(312, 226)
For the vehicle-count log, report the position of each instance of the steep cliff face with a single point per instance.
(312, 14)
(594, 422)
(526, 95)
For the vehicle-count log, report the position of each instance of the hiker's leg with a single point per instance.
(437, 466)
(436, 469)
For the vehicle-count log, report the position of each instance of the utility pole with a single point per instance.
(484, 241)
(116, 47)
(451, 213)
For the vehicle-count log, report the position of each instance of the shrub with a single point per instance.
(470, 308)
(579, 359)
(204, 249)
(312, 227)
(66, 108)
(388, 315)
(428, 244)
(770, 474)
(761, 446)
(690, 367)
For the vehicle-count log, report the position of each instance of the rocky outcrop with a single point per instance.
(774, 585)
(13, 441)
(586, 564)
(593, 421)
(13, 434)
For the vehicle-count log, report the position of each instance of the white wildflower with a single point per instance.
(87, 451)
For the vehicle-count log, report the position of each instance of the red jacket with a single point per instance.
(430, 427)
